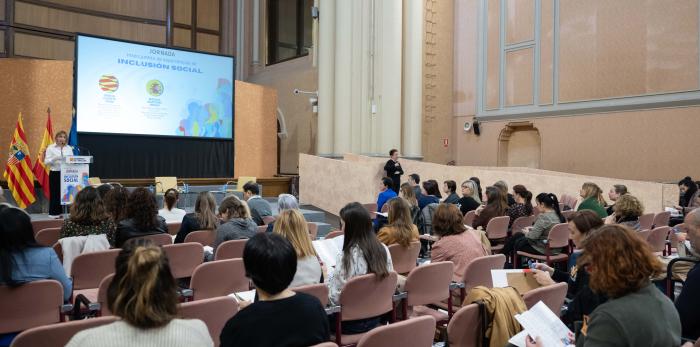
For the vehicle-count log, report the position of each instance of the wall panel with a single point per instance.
(2, 41)
(151, 9)
(546, 52)
(183, 11)
(73, 22)
(520, 21)
(43, 47)
(208, 14)
(208, 43)
(493, 54)
(182, 37)
(519, 74)
(2, 10)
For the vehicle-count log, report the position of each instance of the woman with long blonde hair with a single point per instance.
(143, 293)
(400, 229)
(592, 199)
(292, 226)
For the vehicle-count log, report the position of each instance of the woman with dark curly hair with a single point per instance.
(620, 264)
(454, 243)
(115, 204)
(142, 217)
(88, 217)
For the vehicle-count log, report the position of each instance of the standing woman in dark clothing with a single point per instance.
(53, 157)
(583, 299)
(393, 170)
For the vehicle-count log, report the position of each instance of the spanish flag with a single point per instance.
(41, 170)
(18, 172)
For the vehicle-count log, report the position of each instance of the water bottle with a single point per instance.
(224, 188)
(151, 188)
(186, 188)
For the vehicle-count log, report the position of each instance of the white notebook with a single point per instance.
(328, 249)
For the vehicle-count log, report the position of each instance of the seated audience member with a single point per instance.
(430, 194)
(292, 226)
(496, 206)
(583, 299)
(400, 228)
(408, 194)
(171, 213)
(522, 206)
(449, 187)
(533, 240)
(414, 182)
(592, 199)
(362, 254)
(144, 295)
(142, 218)
(236, 222)
(284, 202)
(88, 217)
(259, 207)
(454, 243)
(103, 188)
(203, 217)
(636, 314)
(478, 186)
(280, 317)
(22, 260)
(503, 186)
(470, 199)
(115, 204)
(628, 209)
(615, 193)
(690, 195)
(385, 192)
(688, 301)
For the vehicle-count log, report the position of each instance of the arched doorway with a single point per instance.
(520, 145)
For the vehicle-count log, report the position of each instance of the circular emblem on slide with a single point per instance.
(109, 83)
(154, 87)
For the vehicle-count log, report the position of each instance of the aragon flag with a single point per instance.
(41, 170)
(18, 172)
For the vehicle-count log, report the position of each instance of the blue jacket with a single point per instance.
(383, 197)
(40, 263)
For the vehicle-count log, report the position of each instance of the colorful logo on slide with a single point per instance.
(154, 87)
(109, 83)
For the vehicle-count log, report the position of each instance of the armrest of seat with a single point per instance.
(332, 309)
(456, 285)
(399, 296)
(186, 293)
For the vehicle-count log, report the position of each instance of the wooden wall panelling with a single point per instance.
(183, 12)
(2, 41)
(208, 14)
(36, 46)
(151, 9)
(181, 38)
(2, 10)
(208, 43)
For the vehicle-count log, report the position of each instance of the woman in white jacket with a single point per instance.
(53, 157)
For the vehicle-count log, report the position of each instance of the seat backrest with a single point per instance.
(468, 218)
(385, 208)
(553, 296)
(47, 237)
(497, 227)
(559, 235)
(326, 344)
(30, 305)
(644, 234)
(404, 259)
(58, 334)
(102, 295)
(333, 234)
(478, 272)
(320, 291)
(568, 214)
(415, 332)
(313, 230)
(522, 222)
(203, 237)
(268, 219)
(661, 219)
(46, 223)
(367, 296)
(219, 278)
(646, 221)
(230, 249)
(370, 207)
(174, 227)
(59, 250)
(465, 327)
(159, 239)
(657, 238)
(428, 211)
(184, 258)
(429, 283)
(262, 228)
(214, 312)
(89, 269)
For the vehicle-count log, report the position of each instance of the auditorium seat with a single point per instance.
(174, 227)
(203, 237)
(313, 230)
(364, 297)
(319, 290)
(334, 233)
(48, 237)
(57, 334)
(46, 223)
(657, 239)
(497, 229)
(230, 249)
(522, 222)
(30, 305)
(646, 221)
(468, 218)
(428, 284)
(184, 258)
(214, 312)
(262, 228)
(478, 272)
(558, 238)
(371, 208)
(268, 219)
(464, 329)
(661, 219)
(218, 278)
(159, 239)
(415, 332)
(404, 259)
(553, 296)
(89, 269)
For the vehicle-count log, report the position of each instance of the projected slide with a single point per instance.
(127, 88)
